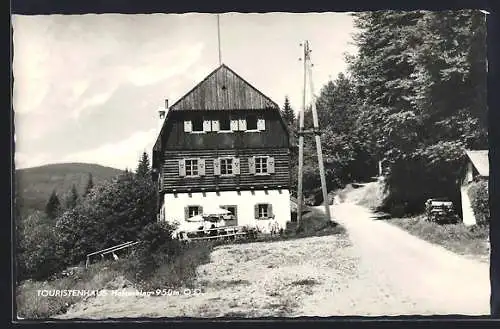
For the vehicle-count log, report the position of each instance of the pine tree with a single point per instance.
(72, 199)
(288, 114)
(90, 185)
(53, 206)
(143, 168)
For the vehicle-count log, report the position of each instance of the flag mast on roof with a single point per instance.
(218, 39)
(316, 132)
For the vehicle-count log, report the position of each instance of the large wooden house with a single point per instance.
(223, 144)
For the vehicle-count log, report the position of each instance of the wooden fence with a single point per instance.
(226, 232)
(110, 250)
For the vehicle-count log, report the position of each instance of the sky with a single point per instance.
(87, 88)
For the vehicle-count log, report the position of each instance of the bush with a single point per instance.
(179, 271)
(156, 248)
(37, 257)
(479, 198)
(111, 214)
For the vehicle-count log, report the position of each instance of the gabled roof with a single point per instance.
(479, 159)
(223, 89)
(238, 94)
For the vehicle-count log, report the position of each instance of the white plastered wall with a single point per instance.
(174, 205)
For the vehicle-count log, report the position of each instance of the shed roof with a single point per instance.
(479, 159)
(223, 89)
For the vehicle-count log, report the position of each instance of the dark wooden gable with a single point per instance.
(223, 89)
(209, 94)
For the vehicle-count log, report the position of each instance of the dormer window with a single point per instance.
(197, 124)
(251, 122)
(225, 124)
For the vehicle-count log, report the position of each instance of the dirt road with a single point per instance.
(409, 275)
(377, 270)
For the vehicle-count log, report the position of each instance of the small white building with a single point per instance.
(477, 168)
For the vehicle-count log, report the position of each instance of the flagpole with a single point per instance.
(218, 38)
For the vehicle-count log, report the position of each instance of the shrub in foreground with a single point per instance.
(156, 248)
(31, 305)
(479, 198)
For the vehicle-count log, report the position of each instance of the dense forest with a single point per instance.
(413, 96)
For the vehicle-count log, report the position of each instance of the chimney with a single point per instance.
(161, 113)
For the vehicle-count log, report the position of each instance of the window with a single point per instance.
(232, 209)
(261, 165)
(225, 124)
(191, 167)
(226, 166)
(263, 210)
(251, 122)
(193, 211)
(197, 124)
(232, 216)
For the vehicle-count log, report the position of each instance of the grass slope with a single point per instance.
(36, 184)
(463, 240)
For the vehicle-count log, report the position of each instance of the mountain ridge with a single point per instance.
(35, 184)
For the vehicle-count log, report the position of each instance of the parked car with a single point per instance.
(441, 211)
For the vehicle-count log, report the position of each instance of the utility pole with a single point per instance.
(317, 135)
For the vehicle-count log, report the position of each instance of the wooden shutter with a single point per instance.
(182, 167)
(235, 212)
(270, 165)
(242, 123)
(251, 165)
(261, 124)
(270, 210)
(234, 125)
(201, 167)
(215, 125)
(217, 167)
(186, 212)
(188, 126)
(236, 166)
(200, 210)
(256, 211)
(207, 125)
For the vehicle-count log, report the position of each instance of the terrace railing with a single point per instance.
(111, 250)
